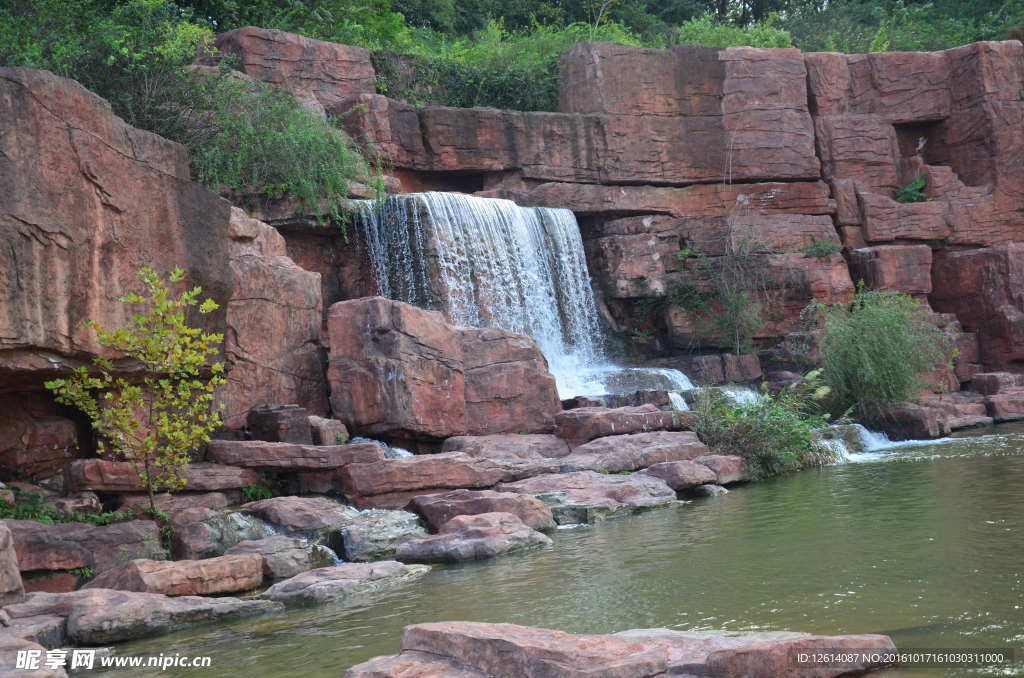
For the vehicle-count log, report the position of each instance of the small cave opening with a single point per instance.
(925, 139)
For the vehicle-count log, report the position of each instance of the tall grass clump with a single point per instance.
(877, 350)
(775, 435)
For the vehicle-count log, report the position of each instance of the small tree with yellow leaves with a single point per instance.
(157, 421)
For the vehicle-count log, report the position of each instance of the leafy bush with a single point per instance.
(877, 350)
(156, 422)
(710, 32)
(33, 506)
(912, 192)
(776, 434)
(251, 138)
(821, 249)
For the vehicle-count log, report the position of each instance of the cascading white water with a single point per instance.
(489, 263)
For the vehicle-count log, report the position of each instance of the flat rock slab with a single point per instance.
(302, 514)
(438, 509)
(224, 574)
(291, 456)
(588, 496)
(68, 546)
(614, 454)
(473, 537)
(327, 584)
(580, 425)
(681, 475)
(483, 650)
(452, 470)
(284, 557)
(508, 446)
(377, 534)
(728, 468)
(101, 616)
(103, 475)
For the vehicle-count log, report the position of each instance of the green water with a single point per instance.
(922, 543)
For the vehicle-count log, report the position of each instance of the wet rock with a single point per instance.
(328, 584)
(614, 454)
(583, 424)
(102, 616)
(377, 534)
(302, 515)
(280, 423)
(283, 557)
(11, 588)
(400, 371)
(224, 574)
(11, 645)
(68, 546)
(587, 496)
(709, 490)
(775, 658)
(681, 475)
(473, 537)
(1008, 405)
(910, 421)
(728, 468)
(291, 457)
(101, 475)
(508, 446)
(438, 509)
(206, 533)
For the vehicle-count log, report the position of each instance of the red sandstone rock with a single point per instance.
(11, 589)
(422, 473)
(473, 537)
(283, 557)
(586, 423)
(1007, 405)
(508, 446)
(438, 509)
(682, 475)
(325, 70)
(34, 441)
(302, 514)
(328, 584)
(225, 574)
(328, 431)
(903, 421)
(728, 468)
(775, 658)
(886, 220)
(280, 423)
(172, 504)
(586, 496)
(894, 268)
(68, 546)
(102, 475)
(991, 383)
(289, 456)
(614, 454)
(959, 410)
(399, 370)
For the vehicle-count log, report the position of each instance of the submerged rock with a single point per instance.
(327, 584)
(474, 537)
(482, 650)
(587, 496)
(438, 509)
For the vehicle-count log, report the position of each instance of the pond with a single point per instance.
(924, 543)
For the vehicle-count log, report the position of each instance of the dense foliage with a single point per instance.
(877, 350)
(775, 434)
(157, 421)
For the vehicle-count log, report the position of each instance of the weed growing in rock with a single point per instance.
(821, 249)
(912, 192)
(877, 350)
(157, 421)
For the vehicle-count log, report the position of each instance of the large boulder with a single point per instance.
(302, 515)
(11, 588)
(285, 456)
(587, 496)
(12, 646)
(204, 532)
(728, 468)
(614, 454)
(378, 533)
(103, 475)
(400, 371)
(280, 424)
(224, 574)
(104, 616)
(473, 537)
(70, 546)
(328, 584)
(438, 509)
(283, 557)
(682, 475)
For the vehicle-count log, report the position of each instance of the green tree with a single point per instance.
(157, 422)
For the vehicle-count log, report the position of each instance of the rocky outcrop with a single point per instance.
(473, 537)
(478, 650)
(283, 557)
(290, 456)
(328, 584)
(35, 442)
(587, 496)
(302, 515)
(224, 574)
(69, 546)
(378, 533)
(682, 475)
(508, 446)
(205, 533)
(280, 424)
(401, 371)
(438, 509)
(728, 468)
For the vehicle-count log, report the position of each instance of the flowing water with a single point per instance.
(485, 262)
(923, 542)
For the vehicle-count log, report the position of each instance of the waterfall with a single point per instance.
(486, 262)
